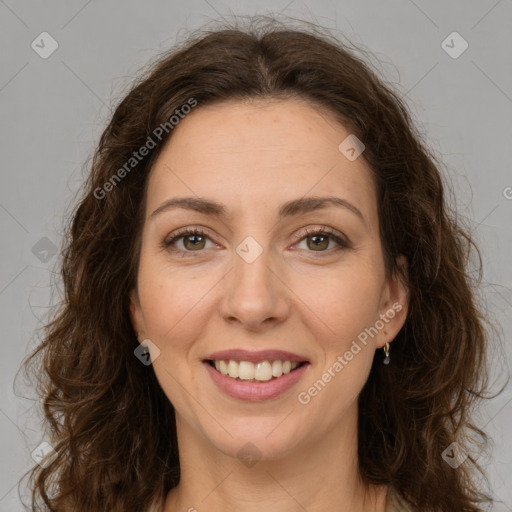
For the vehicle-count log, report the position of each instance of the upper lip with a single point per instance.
(256, 356)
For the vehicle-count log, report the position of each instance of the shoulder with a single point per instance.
(395, 502)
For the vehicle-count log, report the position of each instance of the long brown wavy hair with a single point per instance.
(107, 418)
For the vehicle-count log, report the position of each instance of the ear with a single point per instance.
(136, 316)
(395, 304)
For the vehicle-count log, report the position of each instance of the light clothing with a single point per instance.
(156, 507)
(395, 503)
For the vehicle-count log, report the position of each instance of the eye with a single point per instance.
(318, 240)
(193, 240)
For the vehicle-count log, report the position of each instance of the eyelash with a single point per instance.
(342, 242)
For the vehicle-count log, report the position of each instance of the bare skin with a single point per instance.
(304, 293)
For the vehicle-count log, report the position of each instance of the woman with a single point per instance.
(267, 300)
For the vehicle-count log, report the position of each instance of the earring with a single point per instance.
(386, 351)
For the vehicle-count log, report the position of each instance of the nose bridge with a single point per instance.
(254, 293)
(252, 263)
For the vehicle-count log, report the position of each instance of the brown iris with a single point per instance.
(196, 243)
(325, 242)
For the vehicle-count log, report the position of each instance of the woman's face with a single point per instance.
(259, 277)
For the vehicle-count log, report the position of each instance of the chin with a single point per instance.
(259, 440)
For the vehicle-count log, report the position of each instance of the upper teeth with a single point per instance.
(245, 370)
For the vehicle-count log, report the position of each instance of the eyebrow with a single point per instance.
(288, 209)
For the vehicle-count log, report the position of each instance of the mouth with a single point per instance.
(255, 375)
(260, 371)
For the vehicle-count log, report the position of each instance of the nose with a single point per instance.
(255, 295)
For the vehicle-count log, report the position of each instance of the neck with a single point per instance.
(318, 475)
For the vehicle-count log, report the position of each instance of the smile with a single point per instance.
(262, 371)
(249, 381)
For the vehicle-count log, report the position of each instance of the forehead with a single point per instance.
(259, 154)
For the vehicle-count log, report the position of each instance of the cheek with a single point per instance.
(343, 302)
(347, 306)
(332, 392)
(173, 303)
(174, 312)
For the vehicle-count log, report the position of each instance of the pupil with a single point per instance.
(316, 237)
(196, 242)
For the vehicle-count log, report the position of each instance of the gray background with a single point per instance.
(54, 109)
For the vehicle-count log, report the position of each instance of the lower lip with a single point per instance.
(255, 391)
